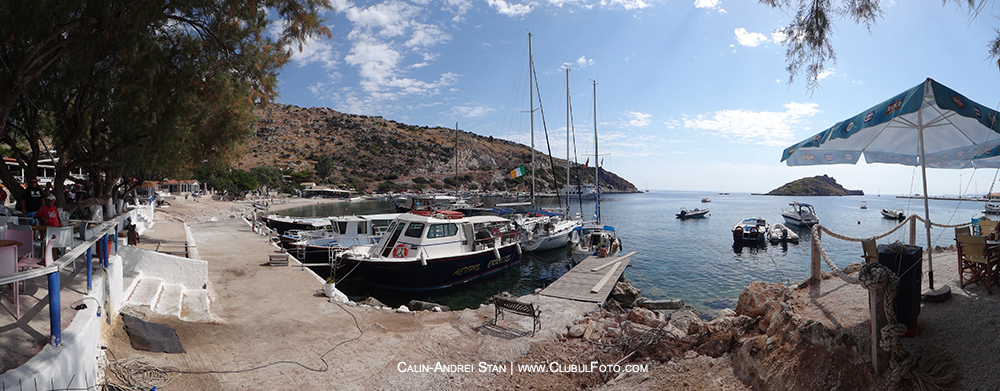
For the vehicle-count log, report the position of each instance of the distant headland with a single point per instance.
(820, 185)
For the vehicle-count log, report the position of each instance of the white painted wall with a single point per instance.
(191, 273)
(73, 364)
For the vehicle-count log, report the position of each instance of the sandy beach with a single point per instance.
(275, 330)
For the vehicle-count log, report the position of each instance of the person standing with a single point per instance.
(31, 198)
(48, 215)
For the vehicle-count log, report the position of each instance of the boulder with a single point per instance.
(371, 301)
(760, 298)
(577, 330)
(625, 293)
(687, 321)
(643, 316)
(668, 304)
(419, 305)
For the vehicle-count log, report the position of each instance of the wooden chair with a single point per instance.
(870, 249)
(986, 226)
(976, 261)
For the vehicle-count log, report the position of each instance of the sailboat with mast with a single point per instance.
(594, 238)
(543, 230)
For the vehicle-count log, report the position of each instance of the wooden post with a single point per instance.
(913, 232)
(815, 256)
(880, 358)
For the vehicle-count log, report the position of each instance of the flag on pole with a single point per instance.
(587, 163)
(518, 172)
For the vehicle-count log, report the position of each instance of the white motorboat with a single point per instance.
(594, 239)
(706, 199)
(691, 214)
(752, 230)
(801, 214)
(991, 208)
(428, 250)
(581, 192)
(864, 205)
(779, 233)
(323, 246)
(893, 214)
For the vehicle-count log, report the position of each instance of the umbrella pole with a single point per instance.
(945, 292)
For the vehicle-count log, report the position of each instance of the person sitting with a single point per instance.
(48, 214)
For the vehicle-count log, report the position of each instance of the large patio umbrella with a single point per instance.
(929, 125)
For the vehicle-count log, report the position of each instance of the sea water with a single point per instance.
(694, 259)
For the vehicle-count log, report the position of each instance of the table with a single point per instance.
(5, 243)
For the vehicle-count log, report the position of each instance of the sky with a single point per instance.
(691, 95)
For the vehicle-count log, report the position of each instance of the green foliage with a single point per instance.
(140, 89)
(386, 186)
(267, 175)
(324, 166)
(420, 180)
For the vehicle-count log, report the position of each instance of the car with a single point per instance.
(197, 193)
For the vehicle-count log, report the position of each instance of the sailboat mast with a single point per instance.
(567, 141)
(597, 165)
(531, 109)
(456, 159)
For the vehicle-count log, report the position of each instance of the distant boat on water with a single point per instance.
(801, 214)
(690, 214)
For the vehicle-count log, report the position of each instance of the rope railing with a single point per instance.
(882, 282)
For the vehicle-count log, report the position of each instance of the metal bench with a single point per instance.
(502, 303)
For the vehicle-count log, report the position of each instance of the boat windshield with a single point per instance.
(396, 229)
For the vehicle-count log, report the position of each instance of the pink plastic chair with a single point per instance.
(33, 263)
(8, 265)
(27, 247)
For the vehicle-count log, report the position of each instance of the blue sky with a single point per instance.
(691, 95)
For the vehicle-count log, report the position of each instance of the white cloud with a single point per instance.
(509, 9)
(826, 73)
(580, 63)
(471, 111)
(779, 36)
(628, 5)
(637, 119)
(710, 4)
(769, 128)
(746, 38)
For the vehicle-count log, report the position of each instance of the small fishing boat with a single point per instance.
(691, 214)
(431, 250)
(864, 205)
(893, 214)
(779, 233)
(801, 214)
(706, 199)
(284, 223)
(750, 231)
(991, 208)
(323, 246)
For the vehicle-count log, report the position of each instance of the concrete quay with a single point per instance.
(270, 327)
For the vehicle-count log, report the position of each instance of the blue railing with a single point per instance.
(101, 234)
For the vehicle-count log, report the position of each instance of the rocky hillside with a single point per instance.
(820, 185)
(381, 154)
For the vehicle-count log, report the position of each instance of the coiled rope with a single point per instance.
(937, 372)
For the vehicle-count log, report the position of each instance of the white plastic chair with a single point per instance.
(63, 237)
